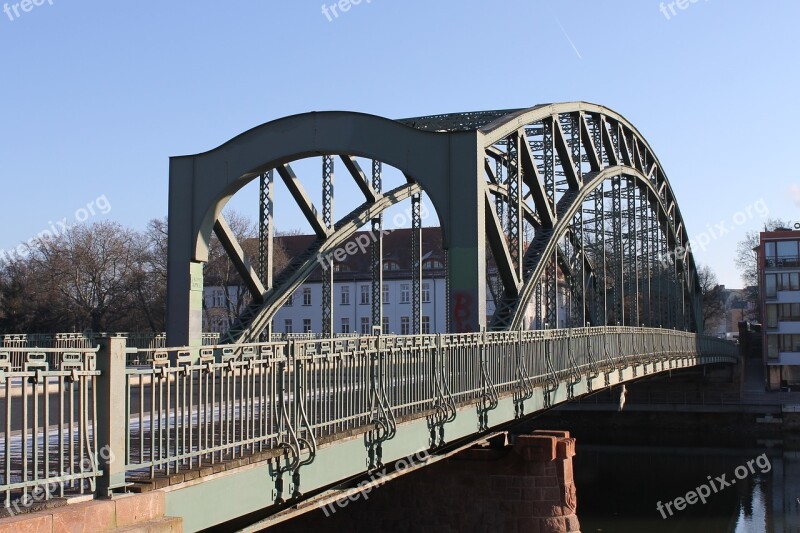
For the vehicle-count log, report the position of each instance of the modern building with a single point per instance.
(352, 291)
(779, 281)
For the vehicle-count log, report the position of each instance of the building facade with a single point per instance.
(779, 283)
(352, 292)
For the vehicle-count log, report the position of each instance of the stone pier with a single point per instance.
(517, 484)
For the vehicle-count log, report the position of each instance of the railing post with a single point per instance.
(111, 416)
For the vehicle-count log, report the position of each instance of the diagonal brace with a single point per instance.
(239, 259)
(360, 178)
(302, 199)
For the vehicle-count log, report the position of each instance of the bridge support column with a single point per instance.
(465, 225)
(526, 487)
(184, 271)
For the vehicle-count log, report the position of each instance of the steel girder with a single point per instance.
(585, 139)
(550, 167)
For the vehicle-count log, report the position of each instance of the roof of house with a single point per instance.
(352, 259)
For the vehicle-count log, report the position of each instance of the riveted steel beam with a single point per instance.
(298, 192)
(239, 259)
(564, 155)
(498, 245)
(360, 178)
(533, 180)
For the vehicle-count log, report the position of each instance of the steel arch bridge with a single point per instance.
(557, 212)
(563, 198)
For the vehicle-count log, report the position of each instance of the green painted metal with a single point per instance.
(233, 494)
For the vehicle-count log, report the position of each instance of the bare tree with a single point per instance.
(220, 274)
(712, 296)
(150, 278)
(27, 305)
(747, 263)
(91, 268)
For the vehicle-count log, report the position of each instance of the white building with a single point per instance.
(352, 291)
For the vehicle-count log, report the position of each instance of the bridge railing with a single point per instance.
(139, 345)
(186, 408)
(48, 443)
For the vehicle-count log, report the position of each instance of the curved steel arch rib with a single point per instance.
(509, 313)
(549, 159)
(582, 159)
(202, 184)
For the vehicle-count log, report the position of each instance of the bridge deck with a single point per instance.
(288, 402)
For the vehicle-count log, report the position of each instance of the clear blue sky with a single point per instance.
(97, 95)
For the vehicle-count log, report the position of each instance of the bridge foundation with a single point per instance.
(523, 486)
(131, 513)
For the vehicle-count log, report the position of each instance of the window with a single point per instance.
(769, 250)
(788, 313)
(385, 293)
(426, 293)
(391, 265)
(772, 346)
(345, 324)
(426, 325)
(788, 281)
(306, 325)
(432, 264)
(771, 281)
(345, 295)
(787, 249)
(405, 326)
(365, 323)
(307, 296)
(219, 298)
(287, 326)
(789, 343)
(405, 293)
(772, 316)
(385, 325)
(365, 289)
(290, 301)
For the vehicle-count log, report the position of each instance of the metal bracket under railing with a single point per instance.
(287, 437)
(551, 383)
(525, 389)
(609, 361)
(574, 373)
(594, 368)
(490, 399)
(383, 419)
(303, 425)
(444, 406)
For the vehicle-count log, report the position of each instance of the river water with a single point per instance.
(620, 487)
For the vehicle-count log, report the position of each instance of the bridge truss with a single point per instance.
(560, 206)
